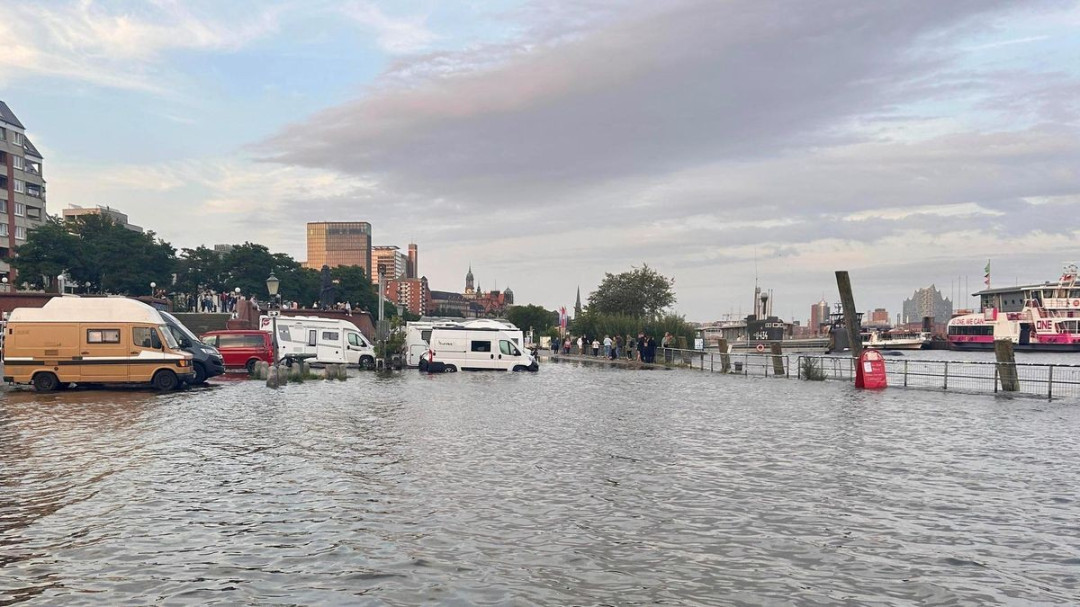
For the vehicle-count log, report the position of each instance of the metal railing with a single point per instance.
(1043, 380)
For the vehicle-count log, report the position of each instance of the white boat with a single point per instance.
(896, 340)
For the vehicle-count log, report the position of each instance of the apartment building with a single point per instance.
(390, 261)
(22, 187)
(75, 211)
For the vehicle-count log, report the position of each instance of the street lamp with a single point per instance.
(272, 309)
(88, 286)
(60, 284)
(153, 285)
(5, 281)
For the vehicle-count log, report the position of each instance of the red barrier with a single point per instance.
(870, 371)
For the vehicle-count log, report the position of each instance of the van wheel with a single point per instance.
(449, 369)
(367, 362)
(518, 368)
(165, 381)
(250, 366)
(422, 365)
(533, 367)
(45, 382)
(200, 374)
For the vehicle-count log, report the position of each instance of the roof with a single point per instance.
(8, 116)
(30, 149)
(89, 309)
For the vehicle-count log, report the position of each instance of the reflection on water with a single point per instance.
(572, 485)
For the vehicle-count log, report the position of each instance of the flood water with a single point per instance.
(574, 485)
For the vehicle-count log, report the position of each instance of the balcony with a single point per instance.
(34, 190)
(33, 213)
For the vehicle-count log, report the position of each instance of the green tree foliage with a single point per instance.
(641, 292)
(96, 249)
(197, 269)
(532, 317)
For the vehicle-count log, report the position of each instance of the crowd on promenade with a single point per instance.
(642, 349)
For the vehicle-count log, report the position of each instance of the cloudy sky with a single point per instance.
(549, 142)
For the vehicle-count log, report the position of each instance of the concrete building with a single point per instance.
(22, 186)
(75, 211)
(390, 261)
(927, 302)
(879, 318)
(819, 315)
(339, 243)
(448, 303)
(413, 269)
(224, 249)
(412, 294)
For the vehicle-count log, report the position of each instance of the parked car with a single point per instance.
(206, 361)
(241, 348)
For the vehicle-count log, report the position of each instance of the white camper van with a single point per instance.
(417, 335)
(325, 340)
(463, 348)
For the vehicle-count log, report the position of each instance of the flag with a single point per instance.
(986, 279)
(562, 318)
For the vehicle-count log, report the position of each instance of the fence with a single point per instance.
(1043, 380)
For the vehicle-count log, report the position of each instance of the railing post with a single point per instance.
(711, 370)
(946, 387)
(1050, 383)
(995, 379)
(905, 373)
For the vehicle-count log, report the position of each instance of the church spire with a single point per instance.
(577, 303)
(469, 281)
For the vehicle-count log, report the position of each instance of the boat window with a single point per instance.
(480, 346)
(508, 348)
(103, 336)
(331, 336)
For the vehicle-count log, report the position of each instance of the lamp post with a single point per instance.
(5, 281)
(60, 284)
(88, 287)
(273, 309)
(153, 285)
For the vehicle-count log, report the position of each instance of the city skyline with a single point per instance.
(905, 143)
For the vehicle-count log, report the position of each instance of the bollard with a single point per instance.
(262, 370)
(273, 379)
(305, 368)
(777, 359)
(725, 358)
(1006, 365)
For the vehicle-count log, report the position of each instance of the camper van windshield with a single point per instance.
(169, 339)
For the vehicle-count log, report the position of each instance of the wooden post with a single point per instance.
(1006, 365)
(725, 358)
(851, 319)
(777, 358)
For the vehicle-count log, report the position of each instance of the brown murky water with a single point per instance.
(575, 485)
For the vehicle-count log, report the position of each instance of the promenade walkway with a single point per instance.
(600, 360)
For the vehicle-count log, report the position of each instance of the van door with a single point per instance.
(105, 351)
(145, 354)
(509, 355)
(355, 348)
(480, 354)
(329, 349)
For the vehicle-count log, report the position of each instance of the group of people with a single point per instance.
(642, 349)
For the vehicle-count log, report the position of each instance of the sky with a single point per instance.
(722, 142)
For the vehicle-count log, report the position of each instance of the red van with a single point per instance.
(241, 348)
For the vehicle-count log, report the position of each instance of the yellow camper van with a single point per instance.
(92, 340)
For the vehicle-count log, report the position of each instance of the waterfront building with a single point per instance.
(927, 302)
(22, 186)
(389, 261)
(819, 318)
(339, 243)
(75, 211)
(411, 294)
(448, 303)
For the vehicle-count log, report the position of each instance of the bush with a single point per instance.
(810, 368)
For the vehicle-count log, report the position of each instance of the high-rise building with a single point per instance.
(412, 294)
(879, 316)
(819, 315)
(74, 211)
(413, 269)
(339, 243)
(22, 187)
(927, 302)
(390, 261)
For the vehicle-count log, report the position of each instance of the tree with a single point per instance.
(197, 269)
(96, 249)
(641, 292)
(532, 317)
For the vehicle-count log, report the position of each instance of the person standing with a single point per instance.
(641, 347)
(581, 345)
(607, 346)
(595, 347)
(617, 352)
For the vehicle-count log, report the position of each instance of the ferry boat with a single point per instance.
(896, 340)
(1042, 317)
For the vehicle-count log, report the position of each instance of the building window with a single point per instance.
(3, 134)
(3, 229)
(20, 186)
(16, 138)
(20, 209)
(20, 232)
(3, 206)
(17, 162)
